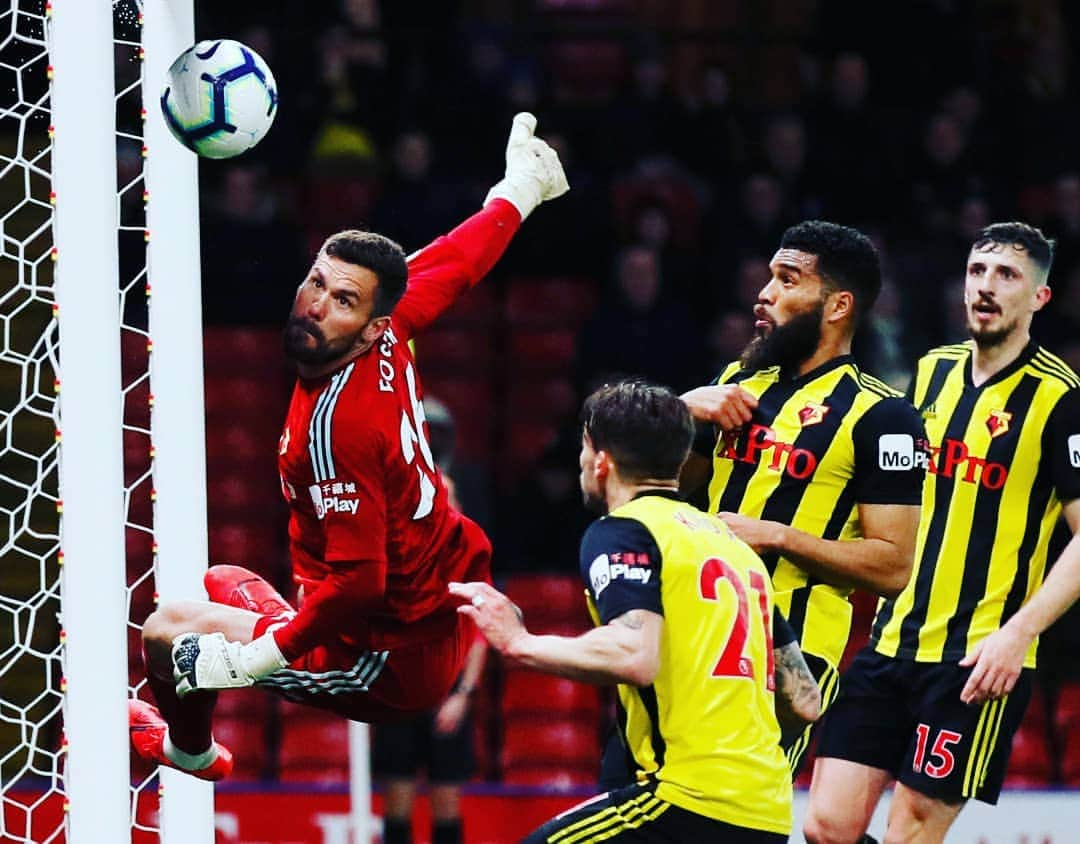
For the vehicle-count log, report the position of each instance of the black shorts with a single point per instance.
(401, 750)
(637, 815)
(907, 718)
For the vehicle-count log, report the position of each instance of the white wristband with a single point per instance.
(262, 657)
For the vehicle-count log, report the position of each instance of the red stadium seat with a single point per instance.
(475, 308)
(244, 351)
(314, 746)
(1067, 707)
(553, 778)
(244, 496)
(566, 742)
(254, 545)
(469, 399)
(454, 351)
(526, 692)
(549, 598)
(255, 401)
(525, 442)
(246, 736)
(1030, 763)
(545, 399)
(238, 444)
(586, 69)
(547, 351)
(556, 302)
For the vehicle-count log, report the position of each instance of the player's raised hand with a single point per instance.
(728, 406)
(534, 173)
(210, 661)
(497, 617)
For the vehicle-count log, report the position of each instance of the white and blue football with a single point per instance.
(219, 98)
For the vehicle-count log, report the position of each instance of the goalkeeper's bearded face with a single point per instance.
(331, 312)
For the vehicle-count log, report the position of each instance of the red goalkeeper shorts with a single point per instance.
(380, 685)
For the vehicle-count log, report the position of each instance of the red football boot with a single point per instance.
(148, 728)
(239, 587)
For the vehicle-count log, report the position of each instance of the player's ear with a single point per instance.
(375, 329)
(841, 305)
(1042, 295)
(601, 464)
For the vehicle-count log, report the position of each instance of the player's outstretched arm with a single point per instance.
(626, 650)
(440, 272)
(999, 658)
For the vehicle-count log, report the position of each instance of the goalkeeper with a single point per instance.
(373, 540)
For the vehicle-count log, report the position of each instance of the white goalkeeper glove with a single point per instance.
(210, 661)
(534, 173)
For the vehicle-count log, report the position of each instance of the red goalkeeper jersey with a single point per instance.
(372, 538)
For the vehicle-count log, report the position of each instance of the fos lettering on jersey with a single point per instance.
(334, 497)
(1074, 451)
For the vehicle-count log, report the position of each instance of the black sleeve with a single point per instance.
(890, 454)
(704, 438)
(782, 632)
(620, 563)
(1061, 445)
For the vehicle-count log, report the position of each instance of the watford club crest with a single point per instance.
(812, 413)
(998, 423)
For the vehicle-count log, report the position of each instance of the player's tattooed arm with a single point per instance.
(798, 698)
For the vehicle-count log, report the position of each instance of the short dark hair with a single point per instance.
(846, 258)
(1031, 239)
(646, 428)
(379, 254)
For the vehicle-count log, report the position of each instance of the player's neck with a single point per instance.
(828, 349)
(988, 361)
(622, 493)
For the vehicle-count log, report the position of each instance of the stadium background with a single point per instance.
(693, 132)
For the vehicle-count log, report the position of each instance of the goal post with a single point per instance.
(176, 372)
(94, 526)
(91, 456)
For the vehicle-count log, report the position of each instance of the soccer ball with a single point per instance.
(219, 98)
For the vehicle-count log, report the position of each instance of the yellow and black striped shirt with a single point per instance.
(1004, 456)
(705, 730)
(818, 446)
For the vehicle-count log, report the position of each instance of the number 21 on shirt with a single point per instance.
(735, 660)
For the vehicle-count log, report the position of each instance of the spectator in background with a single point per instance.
(711, 140)
(247, 244)
(785, 147)
(639, 330)
(541, 523)
(848, 130)
(438, 743)
(417, 202)
(943, 177)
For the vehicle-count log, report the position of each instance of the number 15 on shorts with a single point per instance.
(939, 763)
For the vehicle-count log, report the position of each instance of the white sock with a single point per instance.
(190, 761)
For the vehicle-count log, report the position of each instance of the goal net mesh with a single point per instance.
(32, 740)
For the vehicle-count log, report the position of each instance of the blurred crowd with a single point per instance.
(693, 133)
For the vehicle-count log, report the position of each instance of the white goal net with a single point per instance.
(79, 431)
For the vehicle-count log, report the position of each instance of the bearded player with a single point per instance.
(372, 538)
(814, 463)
